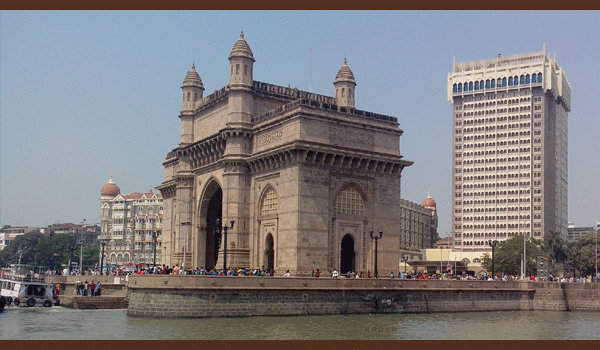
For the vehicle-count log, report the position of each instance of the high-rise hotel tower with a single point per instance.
(509, 172)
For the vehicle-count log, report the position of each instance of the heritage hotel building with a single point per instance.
(509, 149)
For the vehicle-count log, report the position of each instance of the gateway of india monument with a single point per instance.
(304, 178)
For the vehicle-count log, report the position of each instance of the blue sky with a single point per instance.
(84, 93)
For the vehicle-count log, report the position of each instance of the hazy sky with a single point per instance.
(84, 93)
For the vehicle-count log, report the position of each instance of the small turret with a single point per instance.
(192, 90)
(344, 86)
(241, 62)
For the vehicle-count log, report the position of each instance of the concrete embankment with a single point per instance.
(203, 296)
(82, 303)
(114, 292)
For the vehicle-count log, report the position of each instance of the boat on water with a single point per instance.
(21, 286)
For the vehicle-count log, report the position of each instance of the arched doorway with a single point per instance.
(213, 232)
(270, 252)
(347, 255)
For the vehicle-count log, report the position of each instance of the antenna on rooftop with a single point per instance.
(310, 72)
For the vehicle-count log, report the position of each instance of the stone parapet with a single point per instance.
(205, 296)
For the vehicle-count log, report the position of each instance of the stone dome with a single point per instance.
(241, 48)
(345, 74)
(429, 202)
(193, 79)
(110, 189)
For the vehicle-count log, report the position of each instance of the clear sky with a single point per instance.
(84, 93)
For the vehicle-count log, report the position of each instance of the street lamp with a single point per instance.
(225, 228)
(154, 236)
(81, 253)
(102, 259)
(405, 258)
(72, 249)
(376, 239)
(492, 244)
(186, 224)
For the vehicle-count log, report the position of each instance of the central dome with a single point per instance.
(110, 189)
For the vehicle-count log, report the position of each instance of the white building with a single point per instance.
(128, 225)
(509, 149)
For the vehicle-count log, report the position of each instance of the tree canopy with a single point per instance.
(507, 256)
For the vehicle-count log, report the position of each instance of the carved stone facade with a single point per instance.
(304, 177)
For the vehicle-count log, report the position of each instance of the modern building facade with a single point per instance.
(578, 232)
(131, 226)
(419, 224)
(303, 177)
(509, 172)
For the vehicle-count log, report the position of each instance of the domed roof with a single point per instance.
(345, 74)
(193, 79)
(110, 189)
(429, 202)
(241, 48)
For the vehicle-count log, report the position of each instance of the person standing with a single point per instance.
(98, 289)
(92, 289)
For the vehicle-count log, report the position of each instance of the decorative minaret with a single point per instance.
(241, 61)
(344, 86)
(192, 90)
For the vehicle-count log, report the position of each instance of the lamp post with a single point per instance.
(492, 244)
(376, 239)
(102, 259)
(524, 264)
(225, 228)
(154, 236)
(186, 224)
(81, 253)
(405, 258)
(72, 249)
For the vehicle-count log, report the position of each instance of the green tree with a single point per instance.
(53, 251)
(507, 256)
(23, 246)
(90, 257)
(554, 246)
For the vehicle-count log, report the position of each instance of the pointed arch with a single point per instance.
(349, 201)
(269, 202)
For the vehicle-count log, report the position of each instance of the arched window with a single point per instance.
(493, 84)
(503, 81)
(470, 86)
(269, 203)
(510, 81)
(522, 79)
(459, 87)
(527, 78)
(539, 77)
(487, 84)
(349, 202)
(534, 78)
(476, 85)
(454, 88)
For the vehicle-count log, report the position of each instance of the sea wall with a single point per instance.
(112, 286)
(203, 296)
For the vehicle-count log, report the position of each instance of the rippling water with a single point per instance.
(60, 323)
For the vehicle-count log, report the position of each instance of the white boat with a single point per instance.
(21, 286)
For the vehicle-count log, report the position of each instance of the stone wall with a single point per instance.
(203, 296)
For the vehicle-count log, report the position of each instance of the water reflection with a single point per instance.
(61, 323)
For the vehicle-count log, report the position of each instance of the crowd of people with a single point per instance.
(92, 289)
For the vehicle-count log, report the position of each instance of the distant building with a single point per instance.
(418, 225)
(509, 162)
(128, 224)
(90, 232)
(578, 232)
(8, 233)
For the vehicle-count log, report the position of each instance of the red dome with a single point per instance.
(429, 202)
(110, 189)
